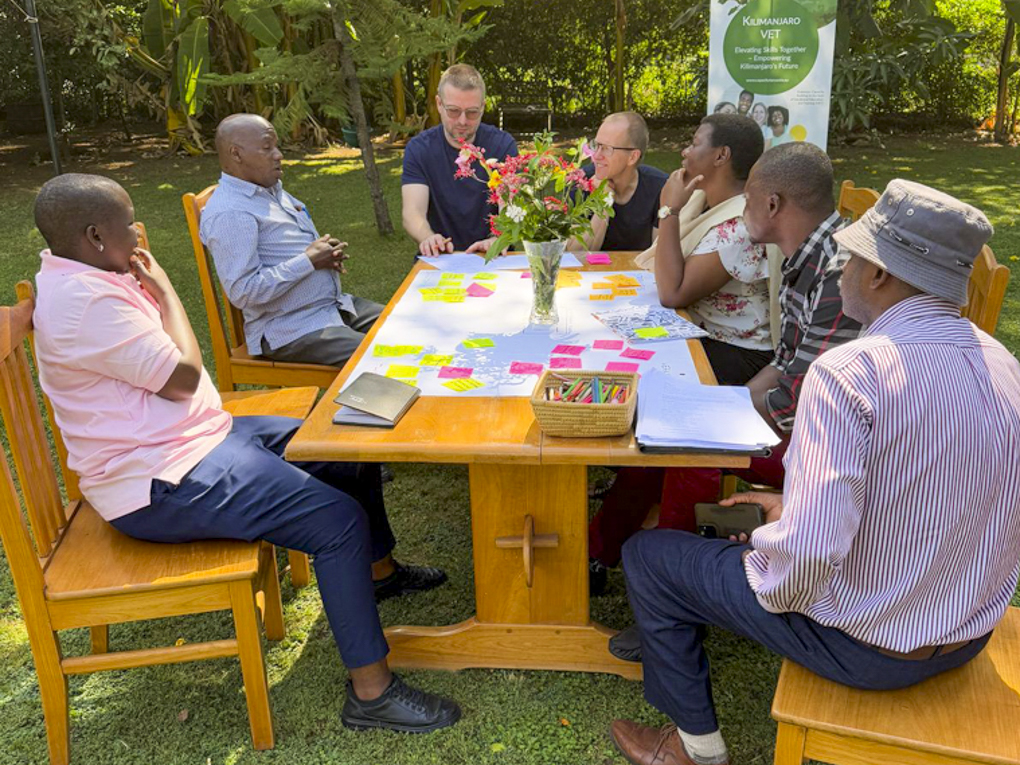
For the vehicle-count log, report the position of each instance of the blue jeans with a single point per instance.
(678, 583)
(243, 489)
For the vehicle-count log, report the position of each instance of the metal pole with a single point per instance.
(44, 87)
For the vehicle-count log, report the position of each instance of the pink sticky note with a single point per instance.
(569, 350)
(525, 368)
(564, 362)
(599, 259)
(608, 345)
(526, 275)
(477, 290)
(621, 366)
(453, 373)
(634, 353)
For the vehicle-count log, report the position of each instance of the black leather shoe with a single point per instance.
(626, 644)
(408, 579)
(385, 474)
(400, 708)
(598, 575)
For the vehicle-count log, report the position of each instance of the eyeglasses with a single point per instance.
(454, 112)
(608, 150)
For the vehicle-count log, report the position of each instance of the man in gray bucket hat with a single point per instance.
(892, 553)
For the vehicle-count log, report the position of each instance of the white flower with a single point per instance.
(609, 197)
(515, 213)
(492, 161)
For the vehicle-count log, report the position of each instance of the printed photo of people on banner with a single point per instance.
(771, 60)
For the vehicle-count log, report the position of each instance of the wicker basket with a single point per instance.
(575, 420)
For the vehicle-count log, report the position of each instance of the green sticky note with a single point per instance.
(435, 360)
(481, 342)
(400, 370)
(651, 332)
(397, 350)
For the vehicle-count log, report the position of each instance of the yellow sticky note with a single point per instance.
(433, 298)
(601, 296)
(463, 384)
(626, 292)
(602, 286)
(485, 276)
(448, 278)
(623, 281)
(452, 298)
(453, 291)
(480, 342)
(435, 360)
(397, 350)
(650, 332)
(430, 291)
(401, 370)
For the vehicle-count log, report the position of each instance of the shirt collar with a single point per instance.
(916, 308)
(54, 264)
(815, 241)
(248, 188)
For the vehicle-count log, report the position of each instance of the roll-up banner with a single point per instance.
(772, 61)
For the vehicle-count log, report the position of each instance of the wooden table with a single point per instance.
(529, 518)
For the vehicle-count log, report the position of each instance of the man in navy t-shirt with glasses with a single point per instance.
(616, 152)
(441, 213)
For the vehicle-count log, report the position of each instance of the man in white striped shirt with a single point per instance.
(893, 551)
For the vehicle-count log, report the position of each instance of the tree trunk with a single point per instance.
(435, 72)
(621, 26)
(1002, 101)
(399, 104)
(357, 107)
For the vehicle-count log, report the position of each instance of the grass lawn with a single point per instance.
(194, 714)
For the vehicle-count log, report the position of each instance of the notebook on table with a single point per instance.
(374, 400)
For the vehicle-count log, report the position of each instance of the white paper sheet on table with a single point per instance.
(440, 329)
(681, 415)
(464, 263)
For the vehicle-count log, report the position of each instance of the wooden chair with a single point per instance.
(986, 291)
(967, 715)
(72, 569)
(854, 202)
(234, 364)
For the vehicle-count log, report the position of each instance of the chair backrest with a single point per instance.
(854, 201)
(226, 324)
(143, 235)
(29, 449)
(985, 291)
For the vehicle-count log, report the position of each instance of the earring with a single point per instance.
(101, 247)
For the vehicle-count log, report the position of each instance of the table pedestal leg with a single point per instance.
(541, 625)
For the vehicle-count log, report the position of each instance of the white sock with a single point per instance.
(709, 749)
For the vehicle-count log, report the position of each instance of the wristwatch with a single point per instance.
(665, 211)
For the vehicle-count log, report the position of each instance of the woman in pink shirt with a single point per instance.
(161, 461)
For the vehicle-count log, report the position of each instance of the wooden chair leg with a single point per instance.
(253, 667)
(729, 486)
(99, 637)
(790, 741)
(300, 570)
(53, 690)
(272, 611)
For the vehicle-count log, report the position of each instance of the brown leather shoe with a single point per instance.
(644, 745)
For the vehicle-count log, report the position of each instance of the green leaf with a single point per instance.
(473, 5)
(261, 23)
(158, 27)
(193, 64)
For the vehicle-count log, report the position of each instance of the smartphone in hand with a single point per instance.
(715, 521)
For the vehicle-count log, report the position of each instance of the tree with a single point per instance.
(1007, 67)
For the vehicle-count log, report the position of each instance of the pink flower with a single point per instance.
(586, 150)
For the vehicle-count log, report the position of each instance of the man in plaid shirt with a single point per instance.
(789, 204)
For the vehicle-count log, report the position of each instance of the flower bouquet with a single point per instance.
(543, 201)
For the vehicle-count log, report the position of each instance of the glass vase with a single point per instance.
(544, 260)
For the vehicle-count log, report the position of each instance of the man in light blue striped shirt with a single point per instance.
(272, 262)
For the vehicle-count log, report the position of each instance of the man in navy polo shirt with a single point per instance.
(441, 213)
(617, 151)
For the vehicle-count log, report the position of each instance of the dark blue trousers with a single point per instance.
(678, 583)
(243, 489)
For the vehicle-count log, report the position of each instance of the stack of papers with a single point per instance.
(683, 416)
(649, 323)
